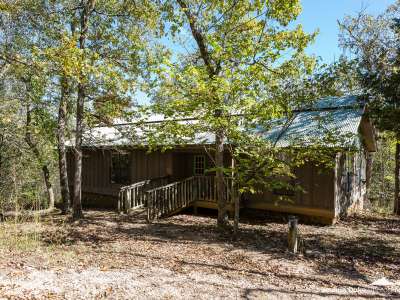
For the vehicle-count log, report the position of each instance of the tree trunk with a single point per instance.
(80, 107)
(213, 71)
(236, 198)
(49, 187)
(1, 156)
(62, 155)
(397, 178)
(368, 172)
(35, 150)
(77, 202)
(222, 221)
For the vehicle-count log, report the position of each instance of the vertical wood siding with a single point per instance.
(96, 173)
(318, 186)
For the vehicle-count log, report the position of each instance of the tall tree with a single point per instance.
(39, 156)
(375, 42)
(112, 38)
(85, 13)
(238, 55)
(89, 50)
(30, 90)
(62, 121)
(26, 35)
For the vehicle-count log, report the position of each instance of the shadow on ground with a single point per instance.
(345, 250)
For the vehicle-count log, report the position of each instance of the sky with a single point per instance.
(323, 15)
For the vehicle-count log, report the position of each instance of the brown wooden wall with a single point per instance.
(183, 163)
(96, 173)
(317, 198)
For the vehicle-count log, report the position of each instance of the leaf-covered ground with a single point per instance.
(107, 256)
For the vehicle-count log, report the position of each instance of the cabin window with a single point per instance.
(120, 168)
(199, 164)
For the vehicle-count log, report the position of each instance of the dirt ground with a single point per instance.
(107, 256)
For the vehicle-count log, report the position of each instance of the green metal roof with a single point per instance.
(332, 121)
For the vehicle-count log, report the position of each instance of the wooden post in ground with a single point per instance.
(148, 204)
(127, 198)
(119, 203)
(293, 234)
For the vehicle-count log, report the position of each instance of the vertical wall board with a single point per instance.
(162, 164)
(138, 165)
(308, 179)
(147, 166)
(150, 160)
(154, 159)
(92, 159)
(155, 164)
(300, 180)
(323, 187)
(133, 166)
(101, 158)
(141, 165)
(179, 165)
(169, 164)
(318, 191)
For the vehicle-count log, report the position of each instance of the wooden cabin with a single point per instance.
(116, 174)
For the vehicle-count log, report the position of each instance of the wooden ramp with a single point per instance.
(133, 197)
(169, 199)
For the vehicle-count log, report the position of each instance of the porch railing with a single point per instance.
(169, 199)
(134, 196)
(206, 187)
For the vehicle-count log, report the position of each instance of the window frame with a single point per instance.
(195, 166)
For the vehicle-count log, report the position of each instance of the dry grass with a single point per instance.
(110, 256)
(20, 235)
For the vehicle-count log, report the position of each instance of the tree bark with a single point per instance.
(36, 152)
(213, 69)
(1, 156)
(62, 155)
(236, 198)
(397, 178)
(80, 107)
(222, 220)
(199, 38)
